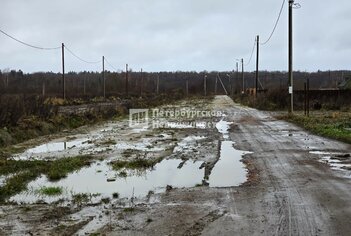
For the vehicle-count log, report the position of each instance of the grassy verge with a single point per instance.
(335, 125)
(22, 172)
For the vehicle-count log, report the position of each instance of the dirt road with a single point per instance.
(296, 194)
(290, 189)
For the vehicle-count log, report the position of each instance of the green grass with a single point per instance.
(80, 198)
(60, 168)
(50, 191)
(16, 184)
(135, 164)
(332, 125)
(24, 171)
(105, 200)
(123, 174)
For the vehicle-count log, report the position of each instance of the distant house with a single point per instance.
(346, 85)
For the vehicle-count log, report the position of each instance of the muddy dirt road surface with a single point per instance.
(293, 182)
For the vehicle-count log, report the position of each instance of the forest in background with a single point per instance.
(29, 102)
(90, 84)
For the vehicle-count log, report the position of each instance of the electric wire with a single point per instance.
(276, 24)
(108, 63)
(253, 49)
(81, 59)
(27, 44)
(95, 62)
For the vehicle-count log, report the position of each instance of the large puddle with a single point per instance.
(99, 180)
(53, 147)
(93, 180)
(229, 170)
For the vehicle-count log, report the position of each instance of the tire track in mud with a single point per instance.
(210, 165)
(288, 196)
(199, 225)
(233, 211)
(299, 213)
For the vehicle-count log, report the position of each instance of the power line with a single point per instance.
(276, 24)
(253, 49)
(79, 58)
(110, 64)
(27, 44)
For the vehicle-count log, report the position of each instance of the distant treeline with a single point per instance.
(90, 84)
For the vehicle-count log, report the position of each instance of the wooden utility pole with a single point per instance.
(157, 84)
(242, 75)
(305, 98)
(291, 79)
(43, 88)
(84, 90)
(205, 85)
(237, 76)
(308, 97)
(230, 84)
(216, 84)
(63, 73)
(141, 82)
(103, 75)
(127, 80)
(257, 61)
(220, 80)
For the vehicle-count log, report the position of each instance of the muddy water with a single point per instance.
(93, 180)
(229, 170)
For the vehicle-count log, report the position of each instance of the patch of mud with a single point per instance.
(337, 161)
(97, 142)
(95, 218)
(188, 144)
(200, 224)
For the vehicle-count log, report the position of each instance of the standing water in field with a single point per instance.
(92, 180)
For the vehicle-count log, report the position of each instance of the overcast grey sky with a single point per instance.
(170, 35)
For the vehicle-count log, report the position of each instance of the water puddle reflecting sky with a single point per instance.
(228, 171)
(53, 147)
(93, 180)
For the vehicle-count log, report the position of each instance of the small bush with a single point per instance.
(50, 191)
(115, 195)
